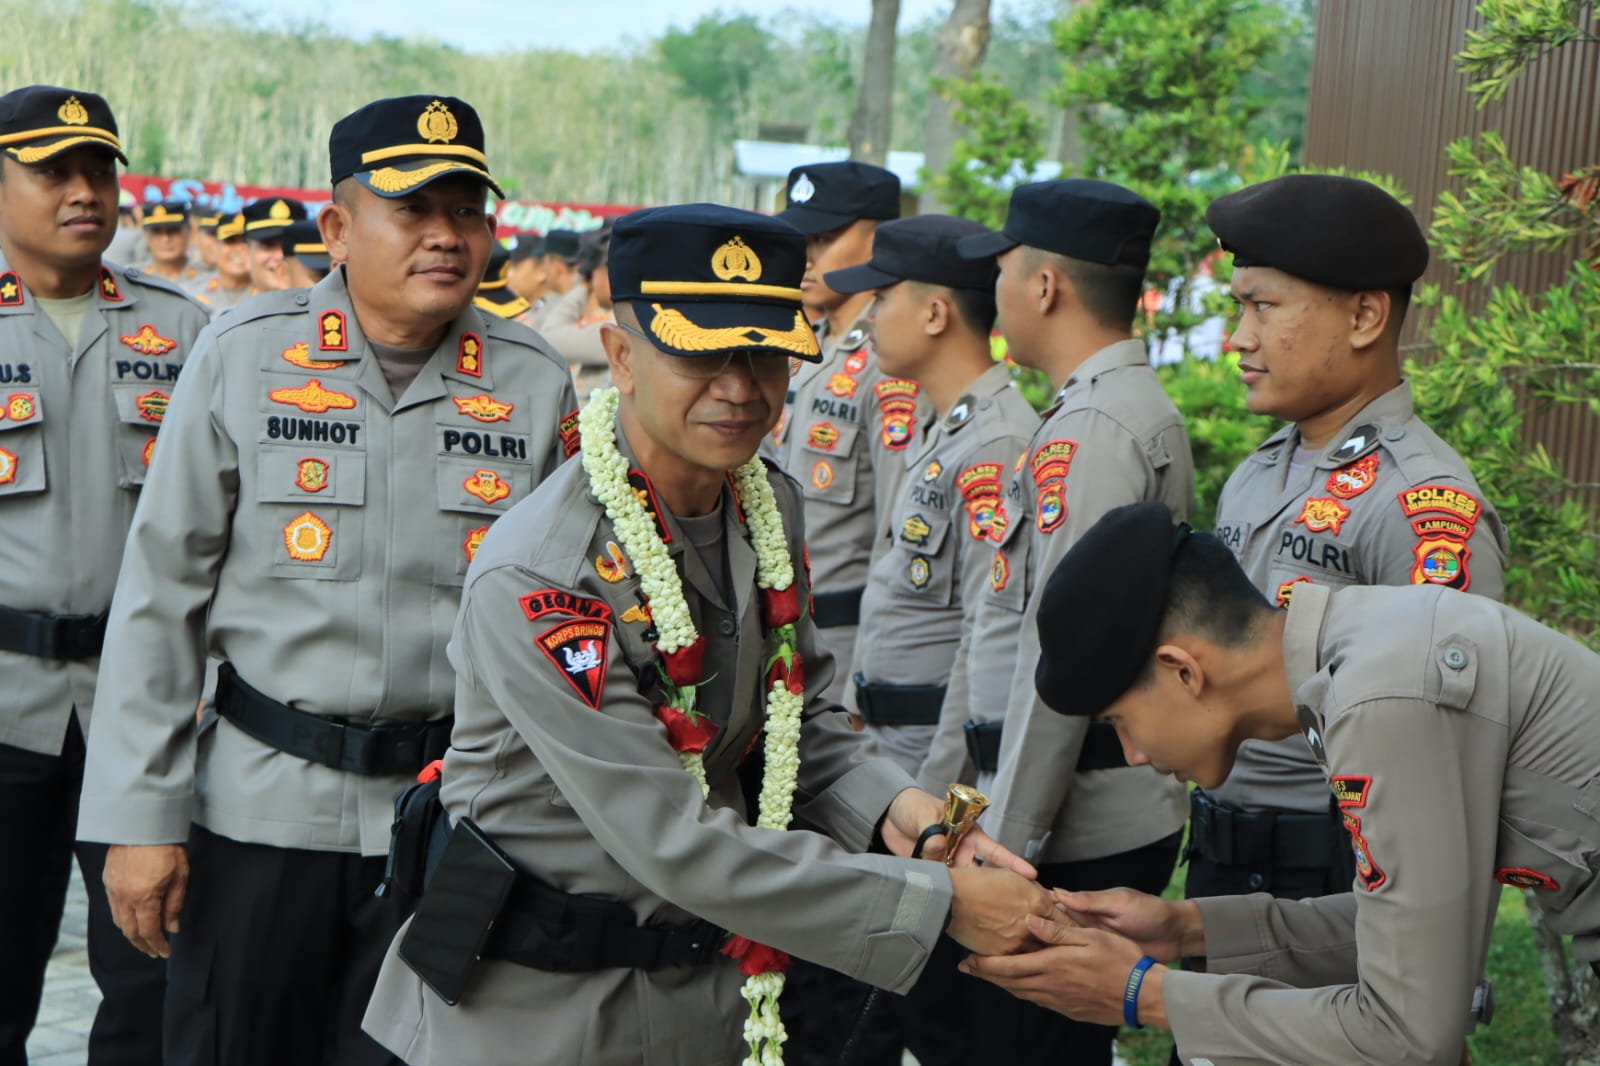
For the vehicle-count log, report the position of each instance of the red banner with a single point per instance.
(514, 216)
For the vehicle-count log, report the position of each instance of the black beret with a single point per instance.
(1080, 218)
(266, 220)
(1100, 609)
(563, 243)
(526, 246)
(705, 279)
(826, 196)
(920, 248)
(38, 122)
(167, 213)
(1340, 232)
(397, 145)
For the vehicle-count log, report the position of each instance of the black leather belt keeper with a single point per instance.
(52, 636)
(1262, 839)
(355, 747)
(1101, 749)
(545, 928)
(831, 609)
(880, 704)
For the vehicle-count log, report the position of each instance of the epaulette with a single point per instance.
(264, 305)
(158, 284)
(513, 332)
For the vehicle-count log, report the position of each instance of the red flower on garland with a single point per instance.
(791, 672)
(686, 730)
(686, 665)
(779, 607)
(755, 958)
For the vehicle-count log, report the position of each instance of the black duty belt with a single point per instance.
(1293, 839)
(52, 636)
(1101, 749)
(545, 928)
(355, 747)
(881, 704)
(831, 609)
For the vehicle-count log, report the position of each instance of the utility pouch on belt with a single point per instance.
(416, 839)
(468, 890)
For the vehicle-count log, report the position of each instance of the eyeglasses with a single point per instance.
(764, 366)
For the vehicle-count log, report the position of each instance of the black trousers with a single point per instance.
(276, 957)
(39, 805)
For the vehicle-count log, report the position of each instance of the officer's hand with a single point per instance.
(989, 909)
(1081, 973)
(1163, 929)
(145, 885)
(913, 810)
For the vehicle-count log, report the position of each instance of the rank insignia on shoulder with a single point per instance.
(1351, 790)
(311, 475)
(823, 436)
(853, 340)
(612, 566)
(307, 537)
(1052, 460)
(312, 397)
(842, 385)
(1052, 507)
(148, 452)
(1311, 727)
(20, 406)
(1441, 561)
(571, 438)
(152, 405)
(473, 542)
(1322, 515)
(1348, 482)
(856, 363)
(578, 650)
(483, 408)
(541, 602)
(108, 287)
(1286, 589)
(999, 572)
(299, 354)
(10, 289)
(918, 573)
(148, 342)
(469, 356)
(1522, 877)
(1355, 444)
(915, 531)
(822, 473)
(959, 415)
(487, 486)
(8, 467)
(331, 332)
(1368, 874)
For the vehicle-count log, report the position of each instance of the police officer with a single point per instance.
(166, 234)
(579, 342)
(1072, 259)
(558, 260)
(89, 352)
(846, 426)
(305, 255)
(1356, 490)
(1459, 739)
(203, 224)
(494, 292)
(624, 870)
(525, 271)
(230, 285)
(333, 460)
(264, 224)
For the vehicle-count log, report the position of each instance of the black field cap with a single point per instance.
(303, 240)
(526, 246)
(1344, 233)
(168, 214)
(706, 279)
(266, 220)
(41, 121)
(920, 248)
(1079, 218)
(398, 145)
(825, 196)
(1100, 611)
(564, 243)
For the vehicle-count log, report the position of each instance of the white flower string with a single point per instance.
(662, 586)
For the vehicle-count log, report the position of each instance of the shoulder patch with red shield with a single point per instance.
(571, 439)
(897, 407)
(577, 648)
(1368, 874)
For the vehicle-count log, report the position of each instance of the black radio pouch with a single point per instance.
(417, 840)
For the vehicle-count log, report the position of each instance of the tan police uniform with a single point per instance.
(1113, 438)
(845, 432)
(312, 531)
(77, 431)
(1387, 502)
(1461, 741)
(932, 562)
(569, 772)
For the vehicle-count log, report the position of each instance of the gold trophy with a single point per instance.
(962, 806)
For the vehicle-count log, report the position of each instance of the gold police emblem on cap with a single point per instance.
(73, 113)
(436, 124)
(736, 259)
(280, 212)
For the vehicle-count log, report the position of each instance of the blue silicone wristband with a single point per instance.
(1130, 992)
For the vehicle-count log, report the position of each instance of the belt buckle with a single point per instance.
(705, 940)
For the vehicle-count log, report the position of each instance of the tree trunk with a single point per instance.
(1573, 993)
(963, 40)
(870, 125)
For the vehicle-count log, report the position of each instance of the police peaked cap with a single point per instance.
(39, 122)
(398, 145)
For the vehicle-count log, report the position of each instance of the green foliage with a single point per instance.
(1515, 33)
(1004, 143)
(1222, 431)
(718, 60)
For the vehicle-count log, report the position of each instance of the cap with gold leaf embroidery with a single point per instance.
(397, 145)
(265, 220)
(705, 279)
(38, 122)
(168, 214)
(208, 220)
(230, 226)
